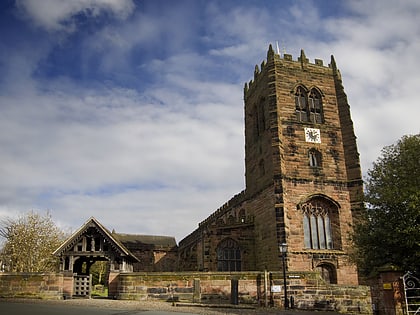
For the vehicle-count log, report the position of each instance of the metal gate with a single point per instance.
(82, 285)
(412, 293)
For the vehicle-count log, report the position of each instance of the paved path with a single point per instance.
(118, 307)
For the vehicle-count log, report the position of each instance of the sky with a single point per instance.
(131, 111)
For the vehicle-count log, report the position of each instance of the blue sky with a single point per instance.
(132, 111)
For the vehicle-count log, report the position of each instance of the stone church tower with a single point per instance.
(303, 178)
(301, 165)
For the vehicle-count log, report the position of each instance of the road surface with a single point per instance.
(16, 308)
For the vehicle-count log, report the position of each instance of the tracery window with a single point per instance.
(317, 224)
(308, 107)
(301, 104)
(228, 256)
(315, 107)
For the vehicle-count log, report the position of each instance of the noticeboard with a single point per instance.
(276, 288)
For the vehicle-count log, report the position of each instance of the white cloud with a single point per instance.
(377, 51)
(100, 152)
(54, 15)
(158, 138)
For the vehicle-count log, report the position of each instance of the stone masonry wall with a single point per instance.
(307, 289)
(31, 285)
(266, 251)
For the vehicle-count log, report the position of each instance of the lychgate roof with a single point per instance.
(89, 224)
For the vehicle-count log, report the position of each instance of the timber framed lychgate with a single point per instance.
(90, 244)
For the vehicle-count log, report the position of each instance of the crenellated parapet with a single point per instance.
(219, 217)
(286, 60)
(234, 201)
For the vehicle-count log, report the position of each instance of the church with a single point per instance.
(304, 189)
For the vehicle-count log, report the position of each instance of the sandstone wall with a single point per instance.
(308, 290)
(32, 285)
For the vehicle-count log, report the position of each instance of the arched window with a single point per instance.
(228, 256)
(261, 167)
(317, 226)
(315, 107)
(231, 220)
(315, 158)
(256, 122)
(301, 104)
(261, 116)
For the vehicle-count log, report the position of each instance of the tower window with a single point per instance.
(315, 158)
(261, 116)
(301, 104)
(308, 108)
(315, 107)
(256, 122)
(228, 256)
(261, 166)
(317, 225)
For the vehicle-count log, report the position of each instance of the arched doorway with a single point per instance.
(327, 272)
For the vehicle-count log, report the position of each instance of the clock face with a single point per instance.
(312, 135)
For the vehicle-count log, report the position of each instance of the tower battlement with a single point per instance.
(287, 61)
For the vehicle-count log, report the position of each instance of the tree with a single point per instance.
(98, 271)
(29, 243)
(390, 231)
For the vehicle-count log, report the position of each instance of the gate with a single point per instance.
(412, 294)
(82, 285)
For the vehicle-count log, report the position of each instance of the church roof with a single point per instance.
(154, 240)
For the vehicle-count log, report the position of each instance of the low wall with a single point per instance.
(307, 289)
(31, 285)
(309, 292)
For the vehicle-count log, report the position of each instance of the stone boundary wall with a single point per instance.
(307, 289)
(31, 285)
